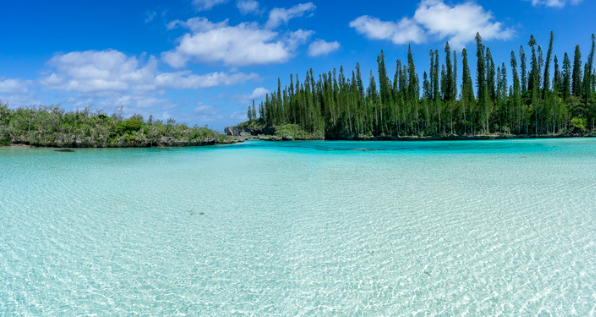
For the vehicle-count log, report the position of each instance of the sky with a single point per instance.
(204, 61)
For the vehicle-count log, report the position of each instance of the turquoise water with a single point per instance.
(301, 229)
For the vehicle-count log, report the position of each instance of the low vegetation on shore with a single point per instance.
(53, 126)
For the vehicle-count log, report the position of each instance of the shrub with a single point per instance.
(578, 125)
(133, 125)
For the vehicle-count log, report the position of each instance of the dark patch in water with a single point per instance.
(64, 151)
(357, 150)
(369, 150)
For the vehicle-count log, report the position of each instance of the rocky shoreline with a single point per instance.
(163, 142)
(252, 134)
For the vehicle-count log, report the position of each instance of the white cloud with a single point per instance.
(297, 38)
(109, 78)
(433, 18)
(186, 80)
(554, 3)
(15, 92)
(198, 24)
(240, 45)
(257, 94)
(459, 23)
(279, 16)
(322, 47)
(204, 5)
(14, 86)
(402, 32)
(112, 72)
(248, 7)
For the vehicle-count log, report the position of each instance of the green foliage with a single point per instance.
(255, 125)
(339, 107)
(133, 125)
(52, 126)
(578, 125)
(296, 132)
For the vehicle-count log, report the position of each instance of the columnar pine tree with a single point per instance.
(523, 70)
(467, 92)
(547, 65)
(517, 106)
(566, 77)
(481, 84)
(576, 84)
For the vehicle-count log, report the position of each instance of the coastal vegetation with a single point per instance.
(52, 126)
(547, 95)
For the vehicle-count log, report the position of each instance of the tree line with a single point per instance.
(547, 95)
(54, 127)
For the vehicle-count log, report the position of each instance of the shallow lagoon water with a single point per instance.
(301, 229)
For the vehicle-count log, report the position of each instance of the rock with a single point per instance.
(248, 132)
(235, 131)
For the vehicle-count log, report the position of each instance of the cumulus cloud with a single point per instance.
(14, 86)
(322, 47)
(280, 16)
(255, 95)
(16, 92)
(554, 3)
(459, 23)
(248, 7)
(186, 80)
(240, 45)
(401, 32)
(204, 5)
(112, 72)
(110, 77)
(198, 24)
(437, 20)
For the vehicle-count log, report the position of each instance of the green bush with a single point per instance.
(46, 126)
(578, 125)
(133, 125)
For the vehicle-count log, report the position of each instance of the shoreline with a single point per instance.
(82, 146)
(270, 138)
(429, 138)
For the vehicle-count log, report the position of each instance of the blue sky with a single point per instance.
(203, 61)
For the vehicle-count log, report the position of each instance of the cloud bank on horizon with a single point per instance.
(145, 84)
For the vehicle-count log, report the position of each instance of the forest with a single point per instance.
(547, 95)
(52, 126)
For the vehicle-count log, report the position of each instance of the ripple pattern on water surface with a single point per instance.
(501, 228)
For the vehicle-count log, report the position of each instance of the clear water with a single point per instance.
(301, 229)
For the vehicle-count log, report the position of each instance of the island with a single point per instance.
(52, 126)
